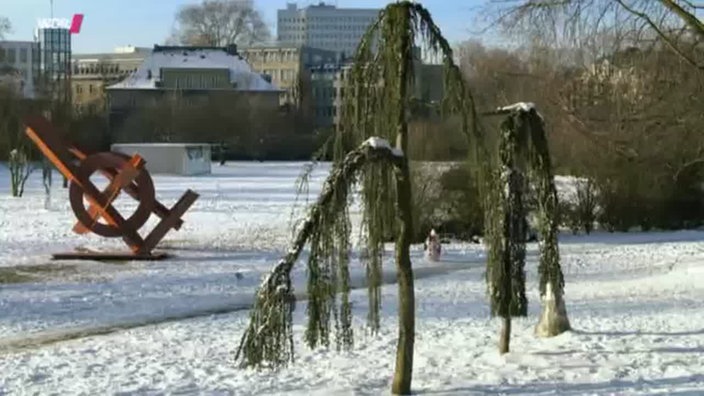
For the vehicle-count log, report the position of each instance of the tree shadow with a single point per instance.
(611, 387)
(633, 238)
(640, 333)
(623, 352)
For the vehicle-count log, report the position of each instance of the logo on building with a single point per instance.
(73, 25)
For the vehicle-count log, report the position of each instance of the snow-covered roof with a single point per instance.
(148, 72)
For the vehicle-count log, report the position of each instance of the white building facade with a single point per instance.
(324, 26)
(20, 65)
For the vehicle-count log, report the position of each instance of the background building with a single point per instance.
(19, 65)
(324, 26)
(329, 81)
(55, 61)
(328, 89)
(287, 66)
(174, 86)
(92, 73)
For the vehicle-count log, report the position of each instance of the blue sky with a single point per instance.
(112, 23)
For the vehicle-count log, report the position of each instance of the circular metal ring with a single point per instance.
(106, 161)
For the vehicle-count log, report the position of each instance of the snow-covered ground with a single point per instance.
(633, 300)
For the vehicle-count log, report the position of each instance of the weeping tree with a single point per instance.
(506, 230)
(523, 158)
(553, 319)
(376, 111)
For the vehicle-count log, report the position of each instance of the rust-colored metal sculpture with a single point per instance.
(125, 174)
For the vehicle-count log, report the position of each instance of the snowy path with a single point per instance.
(188, 309)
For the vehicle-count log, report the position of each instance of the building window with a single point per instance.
(23, 55)
(90, 88)
(11, 55)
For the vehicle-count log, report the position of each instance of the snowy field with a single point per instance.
(101, 328)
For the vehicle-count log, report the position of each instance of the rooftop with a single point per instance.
(127, 52)
(15, 43)
(321, 5)
(162, 57)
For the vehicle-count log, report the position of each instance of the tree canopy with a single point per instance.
(218, 23)
(5, 27)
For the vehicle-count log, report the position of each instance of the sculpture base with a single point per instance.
(109, 256)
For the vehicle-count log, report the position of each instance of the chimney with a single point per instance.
(231, 49)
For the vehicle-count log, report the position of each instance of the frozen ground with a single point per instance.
(633, 299)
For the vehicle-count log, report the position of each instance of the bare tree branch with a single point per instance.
(587, 21)
(5, 27)
(221, 22)
(673, 46)
(690, 19)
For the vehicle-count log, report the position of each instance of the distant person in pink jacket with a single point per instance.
(432, 246)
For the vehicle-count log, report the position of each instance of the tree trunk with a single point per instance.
(406, 296)
(505, 336)
(507, 229)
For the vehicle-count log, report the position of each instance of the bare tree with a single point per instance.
(617, 81)
(219, 23)
(5, 27)
(13, 144)
(623, 22)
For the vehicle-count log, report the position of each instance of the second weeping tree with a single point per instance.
(376, 111)
(523, 158)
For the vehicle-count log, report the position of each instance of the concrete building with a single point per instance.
(20, 66)
(92, 73)
(196, 75)
(284, 65)
(324, 26)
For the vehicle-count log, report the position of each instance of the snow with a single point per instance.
(241, 73)
(523, 106)
(379, 143)
(634, 301)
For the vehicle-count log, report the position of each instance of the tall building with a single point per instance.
(329, 81)
(92, 73)
(55, 61)
(19, 65)
(324, 26)
(287, 66)
(328, 89)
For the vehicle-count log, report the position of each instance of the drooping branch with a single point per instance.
(269, 336)
(688, 18)
(553, 319)
(506, 229)
(532, 137)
